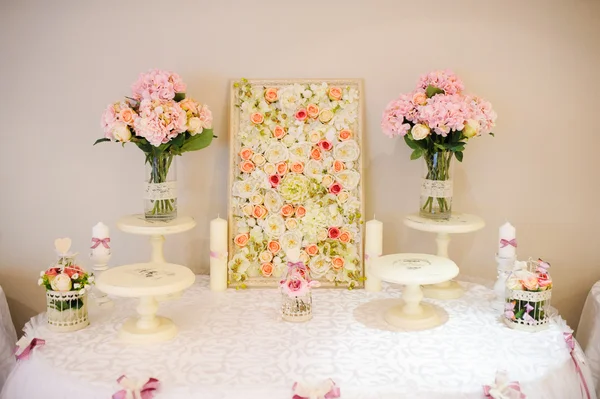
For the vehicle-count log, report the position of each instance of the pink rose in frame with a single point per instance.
(333, 233)
(301, 114)
(325, 145)
(274, 180)
(335, 188)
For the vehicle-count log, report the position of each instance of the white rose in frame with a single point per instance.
(277, 152)
(256, 199)
(288, 140)
(349, 179)
(259, 159)
(420, 131)
(319, 266)
(291, 224)
(274, 226)
(290, 240)
(300, 152)
(272, 201)
(270, 169)
(314, 169)
(346, 151)
(261, 179)
(61, 282)
(243, 188)
(290, 98)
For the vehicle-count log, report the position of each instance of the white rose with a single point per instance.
(471, 128)
(251, 222)
(349, 179)
(40, 282)
(277, 152)
(75, 276)
(346, 151)
(419, 131)
(61, 282)
(121, 132)
(42, 273)
(194, 126)
(291, 240)
(91, 279)
(77, 286)
(319, 266)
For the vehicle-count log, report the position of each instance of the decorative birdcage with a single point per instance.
(67, 311)
(528, 294)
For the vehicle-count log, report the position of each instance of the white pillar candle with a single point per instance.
(100, 243)
(373, 249)
(218, 254)
(507, 243)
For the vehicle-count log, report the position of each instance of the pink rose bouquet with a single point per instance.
(533, 278)
(436, 120)
(163, 123)
(297, 282)
(66, 277)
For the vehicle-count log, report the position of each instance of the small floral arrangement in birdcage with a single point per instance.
(67, 285)
(528, 292)
(296, 293)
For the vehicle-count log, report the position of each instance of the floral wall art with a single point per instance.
(296, 180)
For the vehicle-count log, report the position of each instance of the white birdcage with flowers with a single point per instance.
(528, 293)
(67, 286)
(296, 293)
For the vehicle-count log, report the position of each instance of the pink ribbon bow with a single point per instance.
(24, 352)
(325, 390)
(503, 388)
(98, 241)
(367, 256)
(132, 390)
(571, 345)
(505, 243)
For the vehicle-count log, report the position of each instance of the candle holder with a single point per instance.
(100, 259)
(504, 267)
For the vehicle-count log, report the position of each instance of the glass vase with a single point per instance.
(436, 188)
(160, 194)
(296, 308)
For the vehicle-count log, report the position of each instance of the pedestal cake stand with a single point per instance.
(413, 270)
(458, 223)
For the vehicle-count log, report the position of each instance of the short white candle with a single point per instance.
(100, 230)
(100, 249)
(507, 242)
(218, 254)
(373, 249)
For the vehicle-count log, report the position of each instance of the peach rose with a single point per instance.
(325, 145)
(325, 115)
(327, 181)
(274, 247)
(301, 114)
(257, 118)
(333, 233)
(337, 262)
(314, 137)
(265, 256)
(247, 209)
(271, 94)
(345, 134)
(287, 210)
(278, 132)
(338, 166)
(246, 153)
(419, 99)
(335, 188)
(127, 115)
(335, 93)
(300, 211)
(282, 168)
(530, 284)
(259, 211)
(247, 166)
(241, 239)
(312, 110)
(312, 249)
(297, 167)
(345, 237)
(315, 154)
(266, 269)
(274, 180)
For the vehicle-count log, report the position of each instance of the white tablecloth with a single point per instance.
(234, 345)
(588, 332)
(8, 338)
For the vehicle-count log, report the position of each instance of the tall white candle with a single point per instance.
(218, 254)
(100, 243)
(373, 249)
(507, 242)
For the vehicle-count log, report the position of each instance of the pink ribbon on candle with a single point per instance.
(325, 390)
(25, 352)
(217, 255)
(132, 391)
(98, 241)
(571, 345)
(505, 243)
(503, 389)
(367, 256)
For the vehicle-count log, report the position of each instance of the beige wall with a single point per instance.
(63, 62)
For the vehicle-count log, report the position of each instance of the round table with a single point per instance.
(412, 270)
(146, 281)
(234, 344)
(457, 224)
(588, 332)
(156, 229)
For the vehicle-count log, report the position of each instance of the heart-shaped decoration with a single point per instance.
(62, 245)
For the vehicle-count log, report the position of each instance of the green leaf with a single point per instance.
(102, 140)
(198, 141)
(410, 142)
(177, 142)
(431, 91)
(143, 144)
(179, 96)
(459, 156)
(492, 134)
(416, 154)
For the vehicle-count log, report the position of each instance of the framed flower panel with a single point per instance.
(296, 180)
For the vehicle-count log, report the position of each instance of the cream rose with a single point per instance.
(471, 128)
(346, 151)
(419, 131)
(194, 126)
(265, 256)
(259, 159)
(325, 115)
(61, 282)
(121, 132)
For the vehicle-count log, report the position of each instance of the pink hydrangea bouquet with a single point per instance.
(529, 287)
(436, 120)
(163, 123)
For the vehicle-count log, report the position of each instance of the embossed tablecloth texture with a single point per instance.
(234, 345)
(588, 332)
(8, 338)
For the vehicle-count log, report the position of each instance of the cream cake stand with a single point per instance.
(458, 223)
(146, 281)
(413, 270)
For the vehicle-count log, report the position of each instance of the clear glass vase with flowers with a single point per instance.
(296, 290)
(528, 293)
